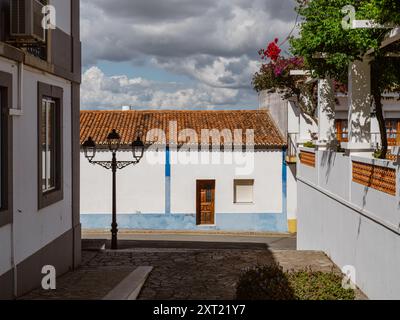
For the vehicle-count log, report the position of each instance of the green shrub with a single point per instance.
(272, 283)
(309, 144)
(264, 283)
(316, 285)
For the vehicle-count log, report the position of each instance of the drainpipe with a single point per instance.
(16, 112)
(20, 86)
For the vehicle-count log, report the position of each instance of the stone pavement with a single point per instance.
(179, 273)
(193, 270)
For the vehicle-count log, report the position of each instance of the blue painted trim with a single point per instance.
(246, 222)
(284, 223)
(167, 162)
(167, 181)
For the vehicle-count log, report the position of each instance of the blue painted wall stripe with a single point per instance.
(167, 181)
(252, 222)
(284, 222)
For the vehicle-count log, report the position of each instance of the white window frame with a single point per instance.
(242, 182)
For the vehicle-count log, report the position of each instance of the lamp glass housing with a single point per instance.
(138, 149)
(89, 149)
(114, 140)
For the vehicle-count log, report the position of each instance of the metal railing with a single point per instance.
(38, 51)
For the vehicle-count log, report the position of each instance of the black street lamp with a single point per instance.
(114, 142)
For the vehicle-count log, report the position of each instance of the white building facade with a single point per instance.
(246, 188)
(39, 91)
(348, 201)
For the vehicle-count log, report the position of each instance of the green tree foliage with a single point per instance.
(389, 11)
(328, 48)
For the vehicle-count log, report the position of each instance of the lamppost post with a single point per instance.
(114, 225)
(114, 139)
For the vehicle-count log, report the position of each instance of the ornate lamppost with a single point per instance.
(114, 141)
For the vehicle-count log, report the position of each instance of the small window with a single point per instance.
(244, 191)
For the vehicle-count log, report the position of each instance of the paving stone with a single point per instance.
(178, 273)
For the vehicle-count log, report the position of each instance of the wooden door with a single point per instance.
(205, 198)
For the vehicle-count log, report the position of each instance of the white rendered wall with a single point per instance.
(140, 188)
(267, 175)
(354, 225)
(348, 238)
(63, 14)
(5, 231)
(291, 192)
(34, 229)
(293, 118)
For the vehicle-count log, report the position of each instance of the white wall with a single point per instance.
(140, 188)
(63, 14)
(349, 238)
(352, 224)
(291, 192)
(35, 229)
(293, 118)
(267, 175)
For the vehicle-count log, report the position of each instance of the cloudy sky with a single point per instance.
(176, 54)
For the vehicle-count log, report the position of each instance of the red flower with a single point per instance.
(273, 51)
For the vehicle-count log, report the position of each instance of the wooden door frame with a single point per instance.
(199, 183)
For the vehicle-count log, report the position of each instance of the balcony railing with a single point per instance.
(37, 51)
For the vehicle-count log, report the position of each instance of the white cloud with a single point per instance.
(214, 43)
(102, 92)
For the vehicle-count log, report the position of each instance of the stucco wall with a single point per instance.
(34, 229)
(277, 108)
(63, 16)
(140, 188)
(355, 225)
(267, 175)
(349, 238)
(147, 199)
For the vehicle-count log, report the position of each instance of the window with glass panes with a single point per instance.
(342, 130)
(49, 140)
(392, 131)
(50, 145)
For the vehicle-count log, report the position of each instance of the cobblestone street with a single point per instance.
(179, 273)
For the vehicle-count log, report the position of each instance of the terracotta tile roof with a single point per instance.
(130, 124)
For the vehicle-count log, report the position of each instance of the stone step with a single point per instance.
(130, 287)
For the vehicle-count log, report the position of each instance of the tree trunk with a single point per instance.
(377, 95)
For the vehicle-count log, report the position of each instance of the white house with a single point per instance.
(39, 99)
(202, 170)
(348, 201)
